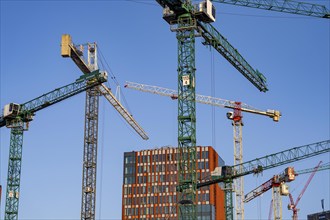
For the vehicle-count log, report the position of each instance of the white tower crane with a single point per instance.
(237, 123)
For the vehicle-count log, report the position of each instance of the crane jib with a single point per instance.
(273, 160)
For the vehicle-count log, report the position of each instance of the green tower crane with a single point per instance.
(189, 21)
(87, 65)
(18, 116)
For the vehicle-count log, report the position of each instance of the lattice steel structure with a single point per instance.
(19, 120)
(14, 170)
(238, 159)
(186, 118)
(90, 143)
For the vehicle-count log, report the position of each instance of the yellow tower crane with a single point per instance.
(235, 116)
(76, 53)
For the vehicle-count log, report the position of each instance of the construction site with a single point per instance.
(165, 109)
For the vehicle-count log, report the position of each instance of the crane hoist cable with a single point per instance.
(114, 79)
(213, 95)
(101, 159)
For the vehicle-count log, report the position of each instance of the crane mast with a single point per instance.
(17, 117)
(68, 49)
(90, 143)
(237, 124)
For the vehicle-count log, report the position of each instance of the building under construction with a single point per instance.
(325, 215)
(150, 180)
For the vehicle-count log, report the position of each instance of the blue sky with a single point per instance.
(291, 51)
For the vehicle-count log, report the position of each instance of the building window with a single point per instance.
(205, 154)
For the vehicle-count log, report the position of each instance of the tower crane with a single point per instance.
(203, 99)
(237, 123)
(76, 53)
(189, 21)
(227, 174)
(278, 184)
(17, 118)
(293, 205)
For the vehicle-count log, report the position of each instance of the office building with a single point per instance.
(150, 180)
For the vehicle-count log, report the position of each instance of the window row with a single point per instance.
(148, 189)
(157, 178)
(157, 168)
(149, 210)
(130, 179)
(150, 200)
(169, 157)
(162, 167)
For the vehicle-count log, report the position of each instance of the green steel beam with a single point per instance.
(287, 6)
(18, 125)
(310, 170)
(229, 200)
(213, 38)
(273, 160)
(284, 157)
(82, 84)
(187, 186)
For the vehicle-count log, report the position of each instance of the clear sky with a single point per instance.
(291, 51)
